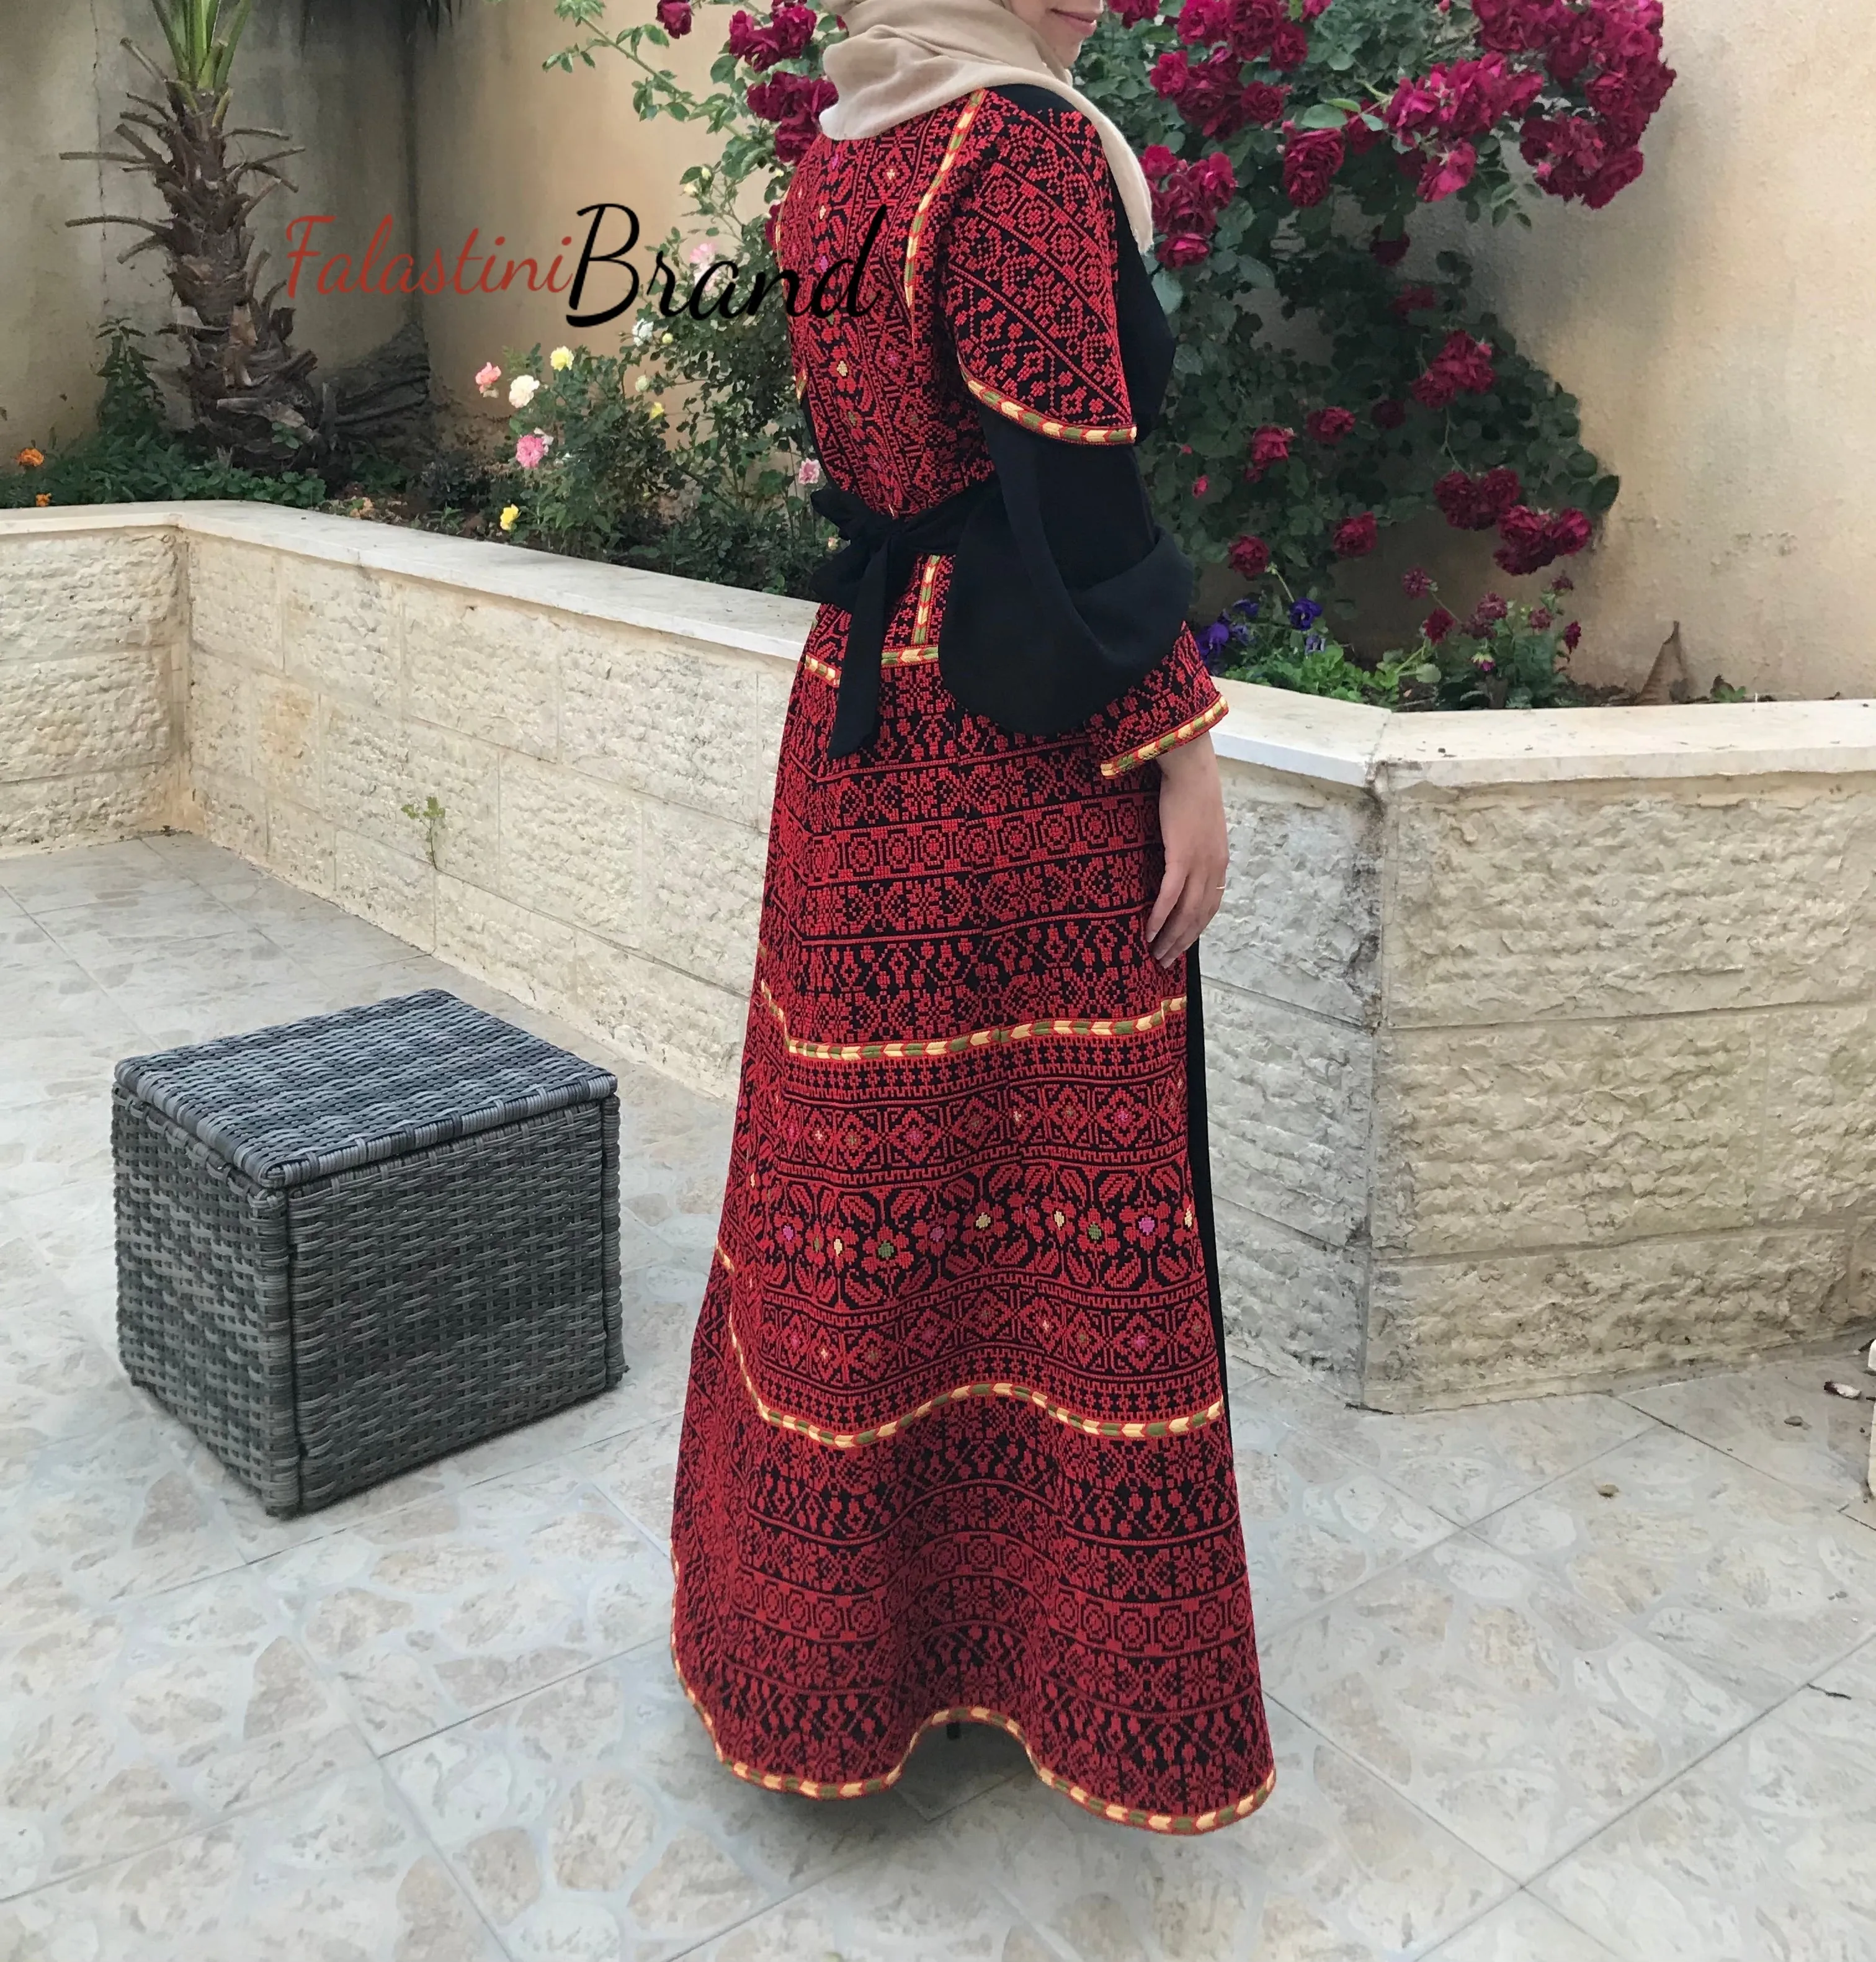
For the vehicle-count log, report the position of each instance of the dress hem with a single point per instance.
(1176, 1823)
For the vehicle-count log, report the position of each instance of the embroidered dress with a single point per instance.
(956, 1446)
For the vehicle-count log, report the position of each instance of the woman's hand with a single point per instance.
(1191, 826)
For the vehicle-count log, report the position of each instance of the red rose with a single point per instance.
(1569, 532)
(1183, 248)
(1416, 583)
(1499, 490)
(674, 16)
(1158, 161)
(1388, 413)
(1355, 537)
(1533, 539)
(1463, 363)
(1413, 299)
(1434, 389)
(1269, 445)
(1311, 157)
(1389, 251)
(789, 30)
(1445, 174)
(1289, 47)
(1263, 102)
(1207, 93)
(1131, 13)
(1249, 557)
(1523, 549)
(1329, 426)
(1438, 624)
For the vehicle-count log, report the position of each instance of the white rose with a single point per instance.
(522, 391)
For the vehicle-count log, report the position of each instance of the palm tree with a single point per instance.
(249, 391)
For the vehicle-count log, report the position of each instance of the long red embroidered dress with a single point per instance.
(955, 1445)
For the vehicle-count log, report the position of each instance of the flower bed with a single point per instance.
(1538, 1044)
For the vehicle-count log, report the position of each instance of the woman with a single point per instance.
(956, 1446)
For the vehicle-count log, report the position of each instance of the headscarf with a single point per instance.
(901, 58)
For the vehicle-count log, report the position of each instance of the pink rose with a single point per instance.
(530, 450)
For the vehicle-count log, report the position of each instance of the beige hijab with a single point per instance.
(903, 57)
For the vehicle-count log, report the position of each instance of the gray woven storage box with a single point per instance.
(353, 1244)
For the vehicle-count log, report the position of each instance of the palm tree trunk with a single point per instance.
(249, 391)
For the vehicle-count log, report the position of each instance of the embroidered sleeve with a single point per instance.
(1173, 704)
(1029, 278)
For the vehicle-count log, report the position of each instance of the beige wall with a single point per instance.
(1715, 322)
(64, 79)
(506, 147)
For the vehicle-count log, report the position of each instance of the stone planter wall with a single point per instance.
(1543, 1047)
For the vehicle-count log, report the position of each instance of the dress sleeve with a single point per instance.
(1069, 610)
(1175, 703)
(1029, 279)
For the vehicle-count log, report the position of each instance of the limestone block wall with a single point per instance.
(1542, 1047)
(1625, 1105)
(603, 783)
(92, 645)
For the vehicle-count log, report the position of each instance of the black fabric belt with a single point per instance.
(867, 578)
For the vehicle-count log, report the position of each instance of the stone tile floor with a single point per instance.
(1589, 1680)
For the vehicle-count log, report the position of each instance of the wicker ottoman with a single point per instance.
(353, 1244)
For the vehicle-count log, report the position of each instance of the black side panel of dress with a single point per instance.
(1198, 1146)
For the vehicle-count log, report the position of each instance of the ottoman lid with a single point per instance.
(304, 1101)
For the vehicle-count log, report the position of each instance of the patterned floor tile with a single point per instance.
(1334, 1866)
(102, 1519)
(447, 1607)
(1464, 1464)
(1315, 1523)
(124, 1726)
(1524, 1930)
(57, 1383)
(1761, 1853)
(898, 1908)
(1779, 1419)
(1744, 1578)
(636, 1470)
(130, 872)
(1504, 1705)
(339, 1873)
(593, 1820)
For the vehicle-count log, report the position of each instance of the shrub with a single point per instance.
(134, 457)
(588, 467)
